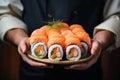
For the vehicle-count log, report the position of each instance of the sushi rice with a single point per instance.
(77, 52)
(34, 46)
(58, 53)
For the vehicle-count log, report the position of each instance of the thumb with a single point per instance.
(96, 47)
(23, 46)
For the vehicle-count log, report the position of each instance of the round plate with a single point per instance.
(62, 62)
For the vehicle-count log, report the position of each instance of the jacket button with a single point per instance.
(50, 16)
(75, 12)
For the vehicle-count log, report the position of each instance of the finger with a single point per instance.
(23, 47)
(33, 63)
(83, 66)
(50, 66)
(95, 51)
(86, 65)
(20, 50)
(96, 47)
(29, 61)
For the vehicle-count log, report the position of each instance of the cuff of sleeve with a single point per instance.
(111, 24)
(8, 22)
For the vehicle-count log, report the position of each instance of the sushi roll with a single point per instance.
(55, 52)
(55, 44)
(81, 33)
(39, 50)
(38, 42)
(73, 52)
(85, 49)
(73, 45)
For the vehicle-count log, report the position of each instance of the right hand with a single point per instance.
(23, 47)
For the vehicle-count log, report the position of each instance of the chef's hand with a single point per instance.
(23, 47)
(101, 41)
(95, 51)
(19, 38)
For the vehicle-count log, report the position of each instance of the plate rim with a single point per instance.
(61, 62)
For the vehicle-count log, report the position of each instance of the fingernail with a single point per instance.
(92, 51)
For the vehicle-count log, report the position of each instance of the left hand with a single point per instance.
(95, 51)
(102, 39)
(23, 48)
